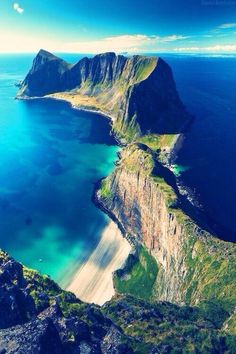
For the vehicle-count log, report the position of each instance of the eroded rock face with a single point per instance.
(138, 93)
(59, 323)
(15, 303)
(193, 265)
(37, 336)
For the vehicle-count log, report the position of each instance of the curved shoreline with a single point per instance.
(92, 282)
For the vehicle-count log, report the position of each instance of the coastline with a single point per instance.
(66, 100)
(73, 106)
(69, 100)
(93, 281)
(95, 275)
(96, 281)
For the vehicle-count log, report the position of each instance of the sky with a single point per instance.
(134, 26)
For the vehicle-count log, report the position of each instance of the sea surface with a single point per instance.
(51, 156)
(207, 158)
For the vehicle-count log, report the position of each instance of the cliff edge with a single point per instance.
(193, 266)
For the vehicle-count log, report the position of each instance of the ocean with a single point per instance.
(206, 85)
(51, 156)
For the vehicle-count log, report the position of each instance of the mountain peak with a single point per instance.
(106, 54)
(47, 55)
(139, 92)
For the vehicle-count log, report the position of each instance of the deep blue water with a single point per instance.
(50, 158)
(207, 87)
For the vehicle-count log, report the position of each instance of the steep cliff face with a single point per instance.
(138, 93)
(44, 76)
(193, 265)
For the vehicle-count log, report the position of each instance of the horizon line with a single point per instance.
(126, 53)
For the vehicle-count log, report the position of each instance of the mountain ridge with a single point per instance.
(138, 92)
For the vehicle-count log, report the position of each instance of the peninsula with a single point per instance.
(177, 291)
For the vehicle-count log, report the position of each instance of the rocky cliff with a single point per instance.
(138, 93)
(193, 266)
(37, 317)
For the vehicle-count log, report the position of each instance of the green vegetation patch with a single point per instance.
(126, 130)
(211, 272)
(170, 328)
(136, 160)
(158, 142)
(105, 190)
(167, 190)
(230, 325)
(144, 67)
(44, 291)
(151, 140)
(140, 278)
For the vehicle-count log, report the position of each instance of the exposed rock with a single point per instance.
(36, 337)
(15, 303)
(122, 326)
(113, 343)
(193, 265)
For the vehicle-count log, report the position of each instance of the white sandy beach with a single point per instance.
(93, 281)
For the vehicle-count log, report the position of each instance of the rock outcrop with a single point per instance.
(138, 93)
(53, 321)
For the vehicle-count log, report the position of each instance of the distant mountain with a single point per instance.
(138, 93)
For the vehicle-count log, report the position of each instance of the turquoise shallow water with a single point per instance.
(50, 158)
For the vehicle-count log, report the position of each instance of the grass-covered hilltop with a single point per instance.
(177, 292)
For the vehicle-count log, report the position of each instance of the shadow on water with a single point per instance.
(200, 217)
(99, 126)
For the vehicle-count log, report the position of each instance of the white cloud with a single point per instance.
(17, 8)
(227, 25)
(172, 38)
(116, 43)
(14, 42)
(131, 43)
(225, 48)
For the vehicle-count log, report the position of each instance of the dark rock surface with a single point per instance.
(63, 324)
